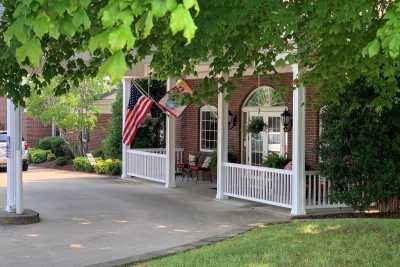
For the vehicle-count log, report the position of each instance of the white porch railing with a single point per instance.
(178, 152)
(149, 163)
(317, 192)
(259, 184)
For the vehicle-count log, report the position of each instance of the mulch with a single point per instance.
(52, 165)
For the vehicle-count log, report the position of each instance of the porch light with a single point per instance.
(287, 120)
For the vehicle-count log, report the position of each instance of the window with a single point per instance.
(208, 128)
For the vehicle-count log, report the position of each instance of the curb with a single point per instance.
(28, 217)
(129, 261)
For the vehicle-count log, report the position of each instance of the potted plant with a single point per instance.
(256, 125)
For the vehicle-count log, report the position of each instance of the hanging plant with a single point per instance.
(256, 125)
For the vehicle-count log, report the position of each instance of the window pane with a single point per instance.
(208, 130)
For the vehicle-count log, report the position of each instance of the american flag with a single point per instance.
(138, 108)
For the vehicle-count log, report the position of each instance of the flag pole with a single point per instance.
(149, 96)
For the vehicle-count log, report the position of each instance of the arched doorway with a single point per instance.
(263, 102)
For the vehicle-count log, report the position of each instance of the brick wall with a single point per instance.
(32, 129)
(100, 132)
(188, 135)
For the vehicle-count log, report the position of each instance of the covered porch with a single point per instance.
(296, 189)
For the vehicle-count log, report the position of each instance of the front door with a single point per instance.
(269, 141)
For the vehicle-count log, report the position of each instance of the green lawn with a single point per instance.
(344, 242)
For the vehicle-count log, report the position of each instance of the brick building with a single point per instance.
(33, 130)
(246, 148)
(291, 129)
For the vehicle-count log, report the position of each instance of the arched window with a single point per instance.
(208, 128)
(264, 96)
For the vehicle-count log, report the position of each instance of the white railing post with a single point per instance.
(14, 158)
(125, 99)
(170, 144)
(222, 146)
(298, 149)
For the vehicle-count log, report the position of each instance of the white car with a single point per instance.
(3, 152)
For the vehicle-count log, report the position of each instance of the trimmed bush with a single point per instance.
(37, 156)
(276, 161)
(108, 166)
(56, 144)
(61, 161)
(51, 157)
(45, 143)
(82, 164)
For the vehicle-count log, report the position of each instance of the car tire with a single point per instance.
(25, 166)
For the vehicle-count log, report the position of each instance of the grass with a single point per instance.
(344, 242)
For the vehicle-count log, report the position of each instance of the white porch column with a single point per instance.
(170, 144)
(125, 98)
(298, 149)
(222, 142)
(14, 158)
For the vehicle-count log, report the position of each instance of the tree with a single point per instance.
(360, 148)
(73, 112)
(74, 39)
(337, 42)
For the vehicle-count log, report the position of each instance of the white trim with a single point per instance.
(298, 150)
(125, 148)
(170, 143)
(206, 108)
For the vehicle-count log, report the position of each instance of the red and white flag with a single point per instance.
(138, 107)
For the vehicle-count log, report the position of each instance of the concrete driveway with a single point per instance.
(88, 219)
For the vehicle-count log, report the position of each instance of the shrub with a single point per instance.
(61, 161)
(45, 143)
(112, 145)
(108, 166)
(51, 157)
(360, 148)
(98, 153)
(37, 155)
(82, 164)
(68, 154)
(56, 144)
(276, 161)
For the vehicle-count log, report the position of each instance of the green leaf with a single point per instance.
(181, 20)
(120, 38)
(115, 67)
(31, 50)
(99, 41)
(54, 31)
(159, 8)
(17, 30)
(67, 27)
(80, 17)
(191, 3)
(373, 48)
(148, 25)
(40, 25)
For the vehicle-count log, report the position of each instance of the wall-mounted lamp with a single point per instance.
(287, 120)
